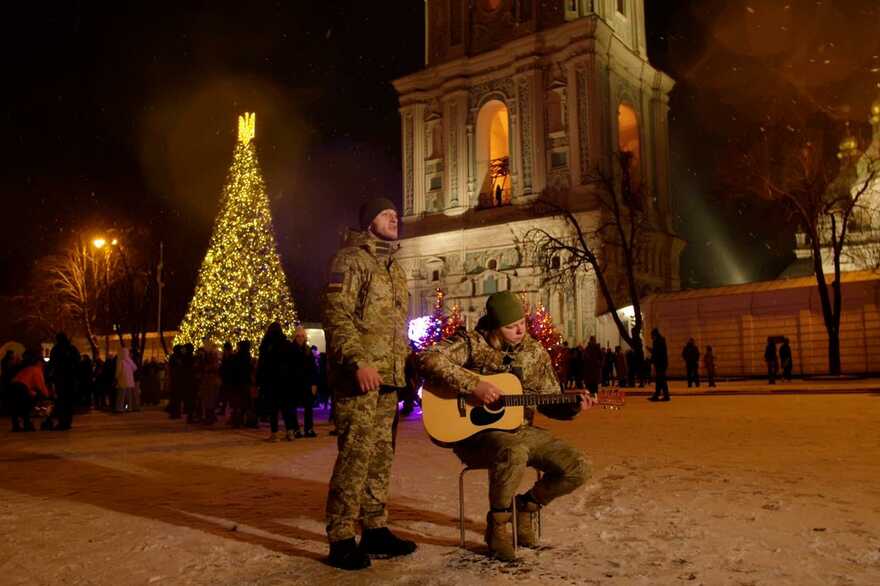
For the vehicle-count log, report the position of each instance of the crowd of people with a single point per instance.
(589, 366)
(202, 385)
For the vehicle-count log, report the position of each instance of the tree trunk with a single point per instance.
(834, 352)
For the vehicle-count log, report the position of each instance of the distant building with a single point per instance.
(863, 241)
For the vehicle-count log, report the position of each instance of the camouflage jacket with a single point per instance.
(454, 362)
(365, 310)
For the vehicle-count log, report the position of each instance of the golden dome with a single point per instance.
(849, 147)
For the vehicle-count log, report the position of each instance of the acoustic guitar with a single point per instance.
(450, 416)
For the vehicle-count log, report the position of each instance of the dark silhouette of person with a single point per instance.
(64, 374)
(498, 195)
(691, 356)
(660, 360)
(709, 365)
(786, 359)
(772, 361)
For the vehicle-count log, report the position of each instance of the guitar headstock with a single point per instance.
(611, 398)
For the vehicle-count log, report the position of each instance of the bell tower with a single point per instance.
(521, 98)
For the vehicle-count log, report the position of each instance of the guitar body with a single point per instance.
(448, 418)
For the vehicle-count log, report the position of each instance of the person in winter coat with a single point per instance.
(591, 361)
(242, 376)
(24, 388)
(64, 377)
(126, 399)
(208, 366)
(772, 360)
(305, 383)
(709, 365)
(660, 360)
(786, 360)
(275, 380)
(691, 356)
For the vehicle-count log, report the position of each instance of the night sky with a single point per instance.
(126, 115)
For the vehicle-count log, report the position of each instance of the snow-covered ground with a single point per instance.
(707, 490)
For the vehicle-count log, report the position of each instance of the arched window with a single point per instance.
(493, 154)
(555, 263)
(435, 275)
(493, 265)
(628, 141)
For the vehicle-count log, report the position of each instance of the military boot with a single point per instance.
(346, 555)
(499, 535)
(526, 518)
(382, 543)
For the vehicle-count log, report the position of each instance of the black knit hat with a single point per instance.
(372, 208)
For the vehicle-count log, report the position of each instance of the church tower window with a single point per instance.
(621, 7)
(493, 154)
(628, 143)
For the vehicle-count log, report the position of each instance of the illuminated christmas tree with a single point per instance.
(540, 325)
(241, 286)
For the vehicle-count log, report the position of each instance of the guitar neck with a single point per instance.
(528, 400)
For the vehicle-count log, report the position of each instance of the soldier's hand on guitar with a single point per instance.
(587, 400)
(368, 379)
(486, 393)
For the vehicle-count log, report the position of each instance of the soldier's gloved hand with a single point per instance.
(485, 392)
(368, 379)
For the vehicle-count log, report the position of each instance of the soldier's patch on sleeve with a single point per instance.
(335, 283)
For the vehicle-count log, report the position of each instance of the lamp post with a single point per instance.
(100, 243)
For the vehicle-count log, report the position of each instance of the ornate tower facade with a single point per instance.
(520, 98)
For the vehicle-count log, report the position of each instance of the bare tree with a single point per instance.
(67, 284)
(823, 193)
(612, 250)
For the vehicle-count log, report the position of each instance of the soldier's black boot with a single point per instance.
(381, 542)
(346, 555)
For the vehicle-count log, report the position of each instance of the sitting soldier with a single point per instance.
(502, 344)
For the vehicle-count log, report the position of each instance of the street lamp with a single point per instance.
(99, 243)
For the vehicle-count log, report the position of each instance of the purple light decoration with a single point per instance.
(418, 330)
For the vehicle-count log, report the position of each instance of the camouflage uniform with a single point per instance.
(365, 321)
(507, 453)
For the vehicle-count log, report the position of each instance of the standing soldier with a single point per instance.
(365, 320)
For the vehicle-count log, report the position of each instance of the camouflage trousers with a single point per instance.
(507, 454)
(359, 485)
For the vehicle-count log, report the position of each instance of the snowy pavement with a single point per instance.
(721, 490)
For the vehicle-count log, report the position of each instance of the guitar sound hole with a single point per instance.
(480, 416)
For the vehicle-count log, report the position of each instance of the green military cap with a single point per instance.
(503, 309)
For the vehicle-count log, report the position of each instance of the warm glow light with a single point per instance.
(247, 127)
(99, 242)
(241, 286)
(499, 143)
(114, 242)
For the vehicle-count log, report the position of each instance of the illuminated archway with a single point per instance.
(628, 139)
(493, 154)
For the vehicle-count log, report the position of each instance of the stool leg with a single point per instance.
(540, 523)
(513, 519)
